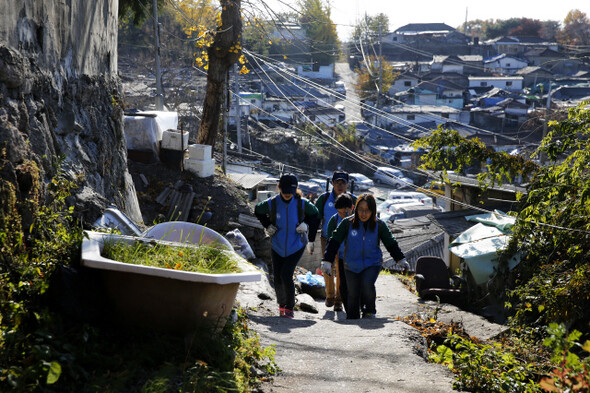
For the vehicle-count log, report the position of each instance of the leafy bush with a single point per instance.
(42, 350)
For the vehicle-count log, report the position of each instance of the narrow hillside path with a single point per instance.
(324, 352)
(352, 103)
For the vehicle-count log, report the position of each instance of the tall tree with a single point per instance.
(368, 78)
(199, 14)
(371, 26)
(527, 27)
(320, 30)
(502, 27)
(137, 10)
(576, 29)
(224, 51)
(549, 30)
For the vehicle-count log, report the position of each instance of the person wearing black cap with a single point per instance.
(326, 208)
(291, 221)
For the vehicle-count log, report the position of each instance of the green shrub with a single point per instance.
(43, 350)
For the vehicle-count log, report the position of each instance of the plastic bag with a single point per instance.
(240, 244)
(313, 280)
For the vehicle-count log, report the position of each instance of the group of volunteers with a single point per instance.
(350, 238)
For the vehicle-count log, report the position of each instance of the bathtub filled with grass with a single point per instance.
(164, 285)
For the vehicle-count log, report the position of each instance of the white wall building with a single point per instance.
(510, 83)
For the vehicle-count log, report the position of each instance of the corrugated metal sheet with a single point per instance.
(247, 180)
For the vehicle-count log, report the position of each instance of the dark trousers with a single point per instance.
(343, 289)
(361, 291)
(283, 269)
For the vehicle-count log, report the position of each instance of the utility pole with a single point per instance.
(237, 93)
(547, 108)
(159, 93)
(380, 85)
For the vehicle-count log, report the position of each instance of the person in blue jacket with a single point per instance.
(361, 234)
(326, 208)
(291, 221)
(343, 207)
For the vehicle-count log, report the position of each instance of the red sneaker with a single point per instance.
(288, 314)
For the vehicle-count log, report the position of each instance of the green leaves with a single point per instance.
(53, 372)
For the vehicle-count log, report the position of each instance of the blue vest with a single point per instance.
(286, 241)
(362, 248)
(341, 249)
(329, 211)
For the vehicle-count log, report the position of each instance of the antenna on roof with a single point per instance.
(465, 25)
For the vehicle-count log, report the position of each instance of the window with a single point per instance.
(508, 83)
(507, 65)
(445, 115)
(483, 84)
(411, 117)
(408, 83)
(253, 101)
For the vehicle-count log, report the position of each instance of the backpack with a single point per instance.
(273, 210)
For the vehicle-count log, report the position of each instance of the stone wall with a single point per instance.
(60, 97)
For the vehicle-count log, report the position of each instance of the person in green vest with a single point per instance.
(361, 234)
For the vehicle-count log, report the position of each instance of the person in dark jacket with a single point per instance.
(361, 235)
(291, 221)
(326, 208)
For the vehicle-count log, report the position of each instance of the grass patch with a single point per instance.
(203, 259)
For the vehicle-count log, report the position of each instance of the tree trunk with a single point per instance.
(224, 52)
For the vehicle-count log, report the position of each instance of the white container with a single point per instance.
(264, 195)
(201, 168)
(164, 299)
(172, 140)
(199, 152)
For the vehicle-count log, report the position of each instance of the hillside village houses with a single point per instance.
(444, 76)
(486, 90)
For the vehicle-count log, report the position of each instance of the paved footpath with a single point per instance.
(324, 352)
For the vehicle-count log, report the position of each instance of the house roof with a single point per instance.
(544, 52)
(421, 109)
(503, 56)
(440, 82)
(493, 139)
(529, 70)
(247, 180)
(414, 28)
(517, 40)
(291, 91)
(322, 110)
(453, 222)
(570, 93)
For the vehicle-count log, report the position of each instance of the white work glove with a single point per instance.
(326, 268)
(310, 248)
(271, 230)
(404, 264)
(301, 228)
